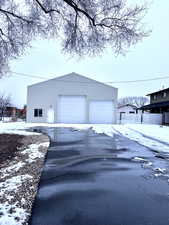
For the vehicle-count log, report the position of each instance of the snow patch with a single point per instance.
(155, 131)
(147, 164)
(139, 159)
(160, 170)
(12, 214)
(15, 128)
(13, 183)
(33, 151)
(141, 139)
(8, 170)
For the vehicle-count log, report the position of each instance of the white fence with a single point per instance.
(150, 118)
(166, 117)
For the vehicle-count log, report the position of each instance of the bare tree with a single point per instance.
(5, 101)
(137, 101)
(85, 27)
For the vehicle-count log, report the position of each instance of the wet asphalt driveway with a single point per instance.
(93, 179)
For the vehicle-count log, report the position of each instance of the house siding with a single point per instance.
(159, 97)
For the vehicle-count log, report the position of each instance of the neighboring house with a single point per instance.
(9, 111)
(22, 113)
(71, 98)
(127, 108)
(159, 101)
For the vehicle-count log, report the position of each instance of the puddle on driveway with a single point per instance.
(93, 179)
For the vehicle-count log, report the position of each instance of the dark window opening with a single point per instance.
(35, 112)
(38, 113)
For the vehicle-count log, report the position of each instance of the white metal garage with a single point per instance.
(71, 98)
(71, 109)
(101, 112)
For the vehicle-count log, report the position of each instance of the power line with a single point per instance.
(29, 75)
(108, 82)
(143, 80)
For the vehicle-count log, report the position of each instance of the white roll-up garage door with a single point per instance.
(71, 109)
(101, 111)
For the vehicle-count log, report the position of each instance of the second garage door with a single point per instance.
(71, 109)
(101, 112)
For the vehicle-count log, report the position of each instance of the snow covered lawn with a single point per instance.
(19, 177)
(158, 132)
(15, 128)
(154, 137)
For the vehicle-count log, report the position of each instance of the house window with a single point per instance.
(38, 113)
(131, 112)
(164, 94)
(155, 97)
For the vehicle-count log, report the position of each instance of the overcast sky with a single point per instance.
(148, 59)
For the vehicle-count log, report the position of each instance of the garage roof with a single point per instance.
(65, 78)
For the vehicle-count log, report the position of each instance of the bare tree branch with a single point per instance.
(15, 15)
(5, 101)
(44, 9)
(84, 27)
(137, 101)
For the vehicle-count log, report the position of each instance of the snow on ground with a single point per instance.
(14, 128)
(155, 131)
(14, 176)
(12, 184)
(33, 153)
(20, 127)
(139, 137)
(14, 166)
(7, 219)
(135, 132)
(18, 215)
